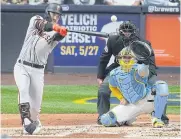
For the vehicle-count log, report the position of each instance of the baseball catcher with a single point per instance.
(127, 34)
(128, 83)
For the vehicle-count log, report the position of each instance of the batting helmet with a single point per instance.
(54, 8)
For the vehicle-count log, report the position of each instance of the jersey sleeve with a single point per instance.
(143, 70)
(114, 88)
(112, 81)
(141, 73)
(104, 59)
(116, 92)
(37, 22)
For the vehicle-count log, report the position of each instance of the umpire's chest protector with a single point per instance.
(131, 85)
(116, 44)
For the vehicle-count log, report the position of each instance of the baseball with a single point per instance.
(113, 18)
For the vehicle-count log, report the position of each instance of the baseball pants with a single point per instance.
(30, 83)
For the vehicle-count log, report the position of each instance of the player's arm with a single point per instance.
(113, 87)
(141, 73)
(143, 70)
(104, 59)
(40, 24)
(57, 37)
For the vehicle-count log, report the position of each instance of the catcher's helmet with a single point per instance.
(127, 29)
(54, 8)
(126, 59)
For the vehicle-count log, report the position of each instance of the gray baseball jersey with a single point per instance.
(37, 44)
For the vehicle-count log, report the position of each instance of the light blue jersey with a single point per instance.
(131, 84)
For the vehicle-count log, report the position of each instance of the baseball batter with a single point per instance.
(129, 84)
(42, 36)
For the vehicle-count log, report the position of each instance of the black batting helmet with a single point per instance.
(54, 8)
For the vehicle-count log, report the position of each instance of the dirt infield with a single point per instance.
(84, 125)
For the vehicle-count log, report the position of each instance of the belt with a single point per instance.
(31, 64)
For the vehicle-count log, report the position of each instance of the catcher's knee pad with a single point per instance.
(160, 99)
(24, 109)
(108, 119)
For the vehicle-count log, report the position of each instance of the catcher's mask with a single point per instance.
(53, 12)
(126, 59)
(127, 29)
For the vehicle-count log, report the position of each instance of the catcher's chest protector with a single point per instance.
(131, 85)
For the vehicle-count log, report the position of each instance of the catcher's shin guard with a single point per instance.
(164, 118)
(109, 119)
(160, 99)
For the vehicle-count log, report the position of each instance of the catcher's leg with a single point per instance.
(119, 115)
(164, 117)
(126, 114)
(160, 102)
(103, 103)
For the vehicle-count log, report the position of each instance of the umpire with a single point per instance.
(127, 34)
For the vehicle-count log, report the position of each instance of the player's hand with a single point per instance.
(56, 27)
(63, 31)
(123, 101)
(99, 81)
(60, 29)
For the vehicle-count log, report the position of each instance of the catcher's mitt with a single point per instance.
(141, 50)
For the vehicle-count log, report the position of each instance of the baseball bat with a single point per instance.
(92, 33)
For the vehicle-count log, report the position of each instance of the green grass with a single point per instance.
(59, 99)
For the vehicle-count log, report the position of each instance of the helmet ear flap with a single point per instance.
(47, 16)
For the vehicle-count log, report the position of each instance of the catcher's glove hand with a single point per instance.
(141, 51)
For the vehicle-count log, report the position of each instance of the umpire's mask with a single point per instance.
(127, 29)
(126, 59)
(53, 12)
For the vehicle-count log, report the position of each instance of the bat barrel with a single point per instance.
(91, 33)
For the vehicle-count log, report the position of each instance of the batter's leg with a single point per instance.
(22, 80)
(36, 93)
(103, 103)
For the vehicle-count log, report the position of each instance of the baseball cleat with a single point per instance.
(99, 121)
(157, 123)
(32, 128)
(165, 119)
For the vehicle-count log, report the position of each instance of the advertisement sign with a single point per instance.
(163, 9)
(83, 50)
(163, 31)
